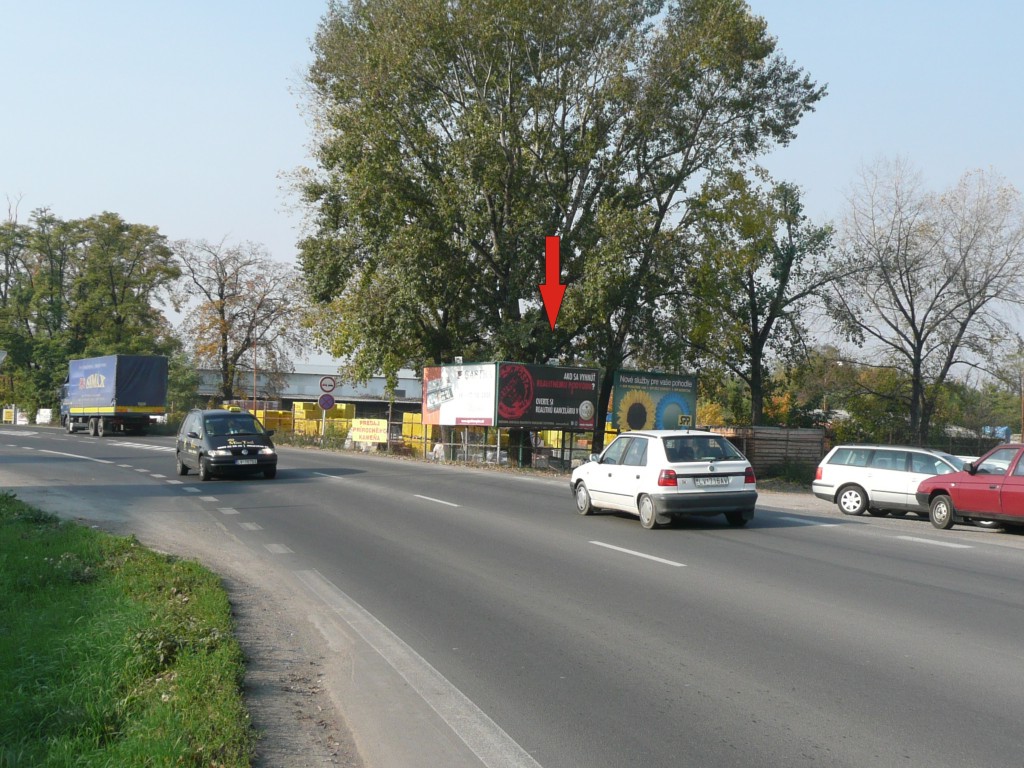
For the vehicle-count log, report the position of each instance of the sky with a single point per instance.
(186, 115)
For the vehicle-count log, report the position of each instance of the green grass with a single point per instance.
(110, 654)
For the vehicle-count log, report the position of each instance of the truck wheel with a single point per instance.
(94, 427)
(101, 427)
(69, 425)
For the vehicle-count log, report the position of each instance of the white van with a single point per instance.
(879, 479)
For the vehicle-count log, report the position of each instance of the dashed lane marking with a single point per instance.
(948, 544)
(634, 553)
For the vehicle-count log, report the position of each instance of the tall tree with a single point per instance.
(243, 311)
(453, 137)
(930, 276)
(744, 304)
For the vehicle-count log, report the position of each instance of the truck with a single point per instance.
(114, 394)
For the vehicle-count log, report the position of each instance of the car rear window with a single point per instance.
(699, 448)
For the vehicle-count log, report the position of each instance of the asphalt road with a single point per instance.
(482, 622)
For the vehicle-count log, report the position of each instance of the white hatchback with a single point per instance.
(661, 474)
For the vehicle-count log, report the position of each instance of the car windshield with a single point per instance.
(233, 425)
(699, 448)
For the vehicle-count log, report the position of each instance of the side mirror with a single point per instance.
(270, 433)
(193, 435)
(594, 458)
(971, 468)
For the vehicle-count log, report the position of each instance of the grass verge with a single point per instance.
(111, 654)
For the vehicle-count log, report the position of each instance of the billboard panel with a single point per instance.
(643, 400)
(459, 394)
(547, 397)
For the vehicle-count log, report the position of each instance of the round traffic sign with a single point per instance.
(326, 401)
(327, 383)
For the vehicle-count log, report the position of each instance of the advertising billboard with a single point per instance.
(546, 397)
(459, 394)
(643, 400)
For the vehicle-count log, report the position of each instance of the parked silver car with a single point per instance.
(879, 479)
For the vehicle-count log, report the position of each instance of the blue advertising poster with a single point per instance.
(642, 400)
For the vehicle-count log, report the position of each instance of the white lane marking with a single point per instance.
(251, 526)
(75, 456)
(639, 554)
(949, 544)
(18, 434)
(125, 466)
(278, 549)
(208, 498)
(332, 477)
(487, 740)
(189, 489)
(159, 477)
(805, 521)
(145, 447)
(140, 469)
(227, 510)
(438, 501)
(170, 482)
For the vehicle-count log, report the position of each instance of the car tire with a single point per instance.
(204, 469)
(736, 518)
(648, 515)
(941, 512)
(180, 465)
(852, 500)
(270, 473)
(584, 506)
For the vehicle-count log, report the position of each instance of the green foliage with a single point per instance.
(76, 289)
(453, 137)
(111, 654)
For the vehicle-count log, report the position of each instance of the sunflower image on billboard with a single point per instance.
(653, 401)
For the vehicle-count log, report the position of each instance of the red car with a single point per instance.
(991, 488)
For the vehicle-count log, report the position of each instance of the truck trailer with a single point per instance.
(115, 393)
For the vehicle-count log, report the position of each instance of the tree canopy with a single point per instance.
(451, 138)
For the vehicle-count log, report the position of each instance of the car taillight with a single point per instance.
(817, 474)
(667, 478)
(748, 476)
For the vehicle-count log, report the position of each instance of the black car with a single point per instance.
(219, 442)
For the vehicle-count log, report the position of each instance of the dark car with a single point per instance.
(219, 442)
(991, 488)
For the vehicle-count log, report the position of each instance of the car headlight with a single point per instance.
(219, 452)
(266, 451)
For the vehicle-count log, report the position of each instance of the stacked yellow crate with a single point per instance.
(309, 418)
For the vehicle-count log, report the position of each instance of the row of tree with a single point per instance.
(453, 137)
(98, 286)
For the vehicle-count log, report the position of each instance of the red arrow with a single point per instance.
(551, 290)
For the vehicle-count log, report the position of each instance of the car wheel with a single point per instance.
(648, 517)
(180, 466)
(941, 512)
(736, 519)
(204, 469)
(583, 504)
(270, 473)
(852, 500)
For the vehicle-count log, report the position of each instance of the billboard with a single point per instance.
(546, 397)
(459, 394)
(643, 400)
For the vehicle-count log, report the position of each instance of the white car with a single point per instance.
(661, 474)
(879, 479)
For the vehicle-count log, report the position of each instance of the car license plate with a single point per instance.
(245, 461)
(710, 481)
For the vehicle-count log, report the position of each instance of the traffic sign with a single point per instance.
(327, 383)
(326, 401)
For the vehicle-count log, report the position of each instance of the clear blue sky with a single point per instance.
(185, 114)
